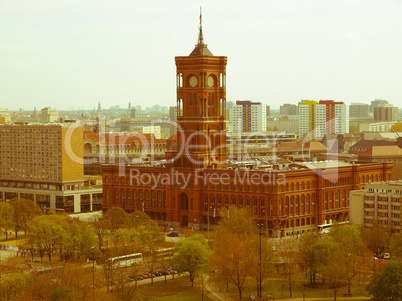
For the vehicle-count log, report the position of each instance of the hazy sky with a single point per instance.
(75, 53)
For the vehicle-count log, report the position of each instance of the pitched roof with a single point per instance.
(383, 151)
(366, 144)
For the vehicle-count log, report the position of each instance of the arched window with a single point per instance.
(134, 196)
(159, 199)
(153, 194)
(106, 180)
(226, 197)
(128, 196)
(206, 203)
(344, 199)
(337, 199)
(287, 206)
(302, 203)
(141, 195)
(297, 186)
(247, 200)
(292, 187)
(308, 185)
(302, 185)
(308, 204)
(147, 198)
(219, 201)
(233, 198)
(255, 205)
(241, 201)
(292, 205)
(116, 195)
(313, 203)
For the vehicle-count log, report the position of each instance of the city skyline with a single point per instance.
(74, 54)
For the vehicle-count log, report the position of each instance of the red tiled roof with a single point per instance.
(382, 151)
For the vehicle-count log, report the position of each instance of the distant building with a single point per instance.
(359, 110)
(48, 115)
(288, 109)
(381, 126)
(268, 111)
(283, 125)
(316, 119)
(133, 113)
(43, 163)
(248, 116)
(385, 113)
(5, 116)
(379, 202)
(377, 103)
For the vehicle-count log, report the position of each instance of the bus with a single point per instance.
(163, 254)
(324, 229)
(125, 260)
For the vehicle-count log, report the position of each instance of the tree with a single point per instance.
(334, 271)
(191, 256)
(395, 246)
(6, 217)
(397, 127)
(388, 284)
(11, 285)
(340, 232)
(150, 235)
(290, 267)
(309, 254)
(235, 247)
(46, 235)
(24, 211)
(65, 293)
(80, 238)
(116, 217)
(375, 238)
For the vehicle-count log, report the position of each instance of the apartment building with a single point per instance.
(317, 119)
(379, 202)
(248, 116)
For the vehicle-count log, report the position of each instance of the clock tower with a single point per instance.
(201, 108)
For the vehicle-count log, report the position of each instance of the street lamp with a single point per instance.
(93, 267)
(260, 287)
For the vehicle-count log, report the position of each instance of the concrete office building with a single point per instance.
(44, 163)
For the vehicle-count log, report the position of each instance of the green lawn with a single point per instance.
(178, 289)
(278, 288)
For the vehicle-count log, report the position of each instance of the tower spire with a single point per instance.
(200, 47)
(200, 36)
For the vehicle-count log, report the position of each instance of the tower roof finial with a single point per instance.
(201, 48)
(200, 36)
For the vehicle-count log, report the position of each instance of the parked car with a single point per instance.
(173, 234)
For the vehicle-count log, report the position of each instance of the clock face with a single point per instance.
(193, 81)
(210, 81)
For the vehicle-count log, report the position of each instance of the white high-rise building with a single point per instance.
(247, 116)
(316, 119)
